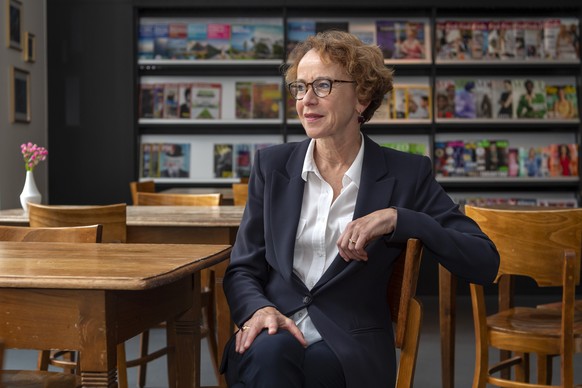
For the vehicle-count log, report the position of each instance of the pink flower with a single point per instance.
(32, 155)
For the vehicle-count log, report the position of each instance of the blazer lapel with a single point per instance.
(286, 197)
(376, 186)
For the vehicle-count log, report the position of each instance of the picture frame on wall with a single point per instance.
(29, 47)
(19, 95)
(14, 24)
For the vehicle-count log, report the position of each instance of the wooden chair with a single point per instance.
(545, 245)
(162, 199)
(44, 378)
(113, 220)
(112, 217)
(141, 187)
(208, 327)
(240, 193)
(406, 310)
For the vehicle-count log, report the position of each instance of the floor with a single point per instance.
(427, 369)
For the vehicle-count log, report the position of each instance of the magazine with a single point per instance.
(298, 31)
(454, 40)
(206, 100)
(465, 99)
(529, 98)
(177, 40)
(364, 30)
(145, 43)
(561, 101)
(223, 161)
(175, 160)
(196, 47)
(218, 40)
(242, 158)
(171, 101)
(551, 31)
(185, 101)
(520, 27)
(266, 101)
(158, 95)
(502, 98)
(533, 39)
(145, 166)
(386, 38)
(268, 41)
(242, 43)
(419, 104)
(400, 97)
(146, 101)
(494, 40)
(161, 35)
(445, 98)
(384, 112)
(243, 100)
(568, 40)
(478, 40)
(484, 99)
(410, 40)
(508, 49)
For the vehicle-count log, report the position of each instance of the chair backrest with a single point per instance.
(532, 242)
(406, 310)
(162, 199)
(78, 234)
(240, 192)
(113, 218)
(141, 187)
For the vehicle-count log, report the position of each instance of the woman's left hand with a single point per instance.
(359, 232)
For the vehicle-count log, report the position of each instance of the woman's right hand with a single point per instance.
(265, 318)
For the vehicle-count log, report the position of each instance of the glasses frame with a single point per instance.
(307, 84)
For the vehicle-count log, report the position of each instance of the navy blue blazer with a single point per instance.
(348, 304)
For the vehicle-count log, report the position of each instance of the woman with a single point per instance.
(324, 220)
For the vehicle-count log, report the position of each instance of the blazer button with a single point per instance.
(306, 299)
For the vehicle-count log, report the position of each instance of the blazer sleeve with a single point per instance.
(449, 236)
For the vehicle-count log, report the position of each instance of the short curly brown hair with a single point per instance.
(363, 62)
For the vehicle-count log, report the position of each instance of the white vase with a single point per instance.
(30, 192)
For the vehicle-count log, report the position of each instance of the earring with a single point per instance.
(361, 118)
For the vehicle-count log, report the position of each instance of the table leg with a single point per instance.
(447, 314)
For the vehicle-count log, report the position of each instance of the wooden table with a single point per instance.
(178, 225)
(90, 297)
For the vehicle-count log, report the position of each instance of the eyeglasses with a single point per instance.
(321, 87)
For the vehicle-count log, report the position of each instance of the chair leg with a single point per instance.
(142, 369)
(121, 366)
(522, 369)
(43, 359)
(211, 337)
(171, 355)
(544, 368)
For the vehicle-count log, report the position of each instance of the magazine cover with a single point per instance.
(494, 39)
(465, 99)
(478, 40)
(400, 97)
(175, 160)
(440, 40)
(291, 107)
(218, 43)
(502, 98)
(223, 161)
(242, 42)
(484, 98)
(177, 40)
(384, 111)
(155, 160)
(445, 98)
(145, 43)
(508, 50)
(513, 162)
(464, 45)
(146, 101)
(529, 98)
(145, 166)
(551, 30)
(419, 104)
(470, 158)
(568, 40)
(243, 100)
(196, 47)
(454, 40)
(206, 100)
(268, 41)
(520, 27)
(533, 39)
(496, 157)
(161, 34)
(563, 160)
(410, 40)
(455, 162)
(242, 158)
(562, 102)
(530, 162)
(439, 158)
(364, 30)
(266, 101)
(159, 90)
(171, 101)
(386, 38)
(298, 31)
(185, 101)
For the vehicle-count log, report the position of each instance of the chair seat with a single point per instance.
(38, 379)
(529, 323)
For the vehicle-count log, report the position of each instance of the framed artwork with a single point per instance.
(14, 24)
(19, 95)
(29, 47)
